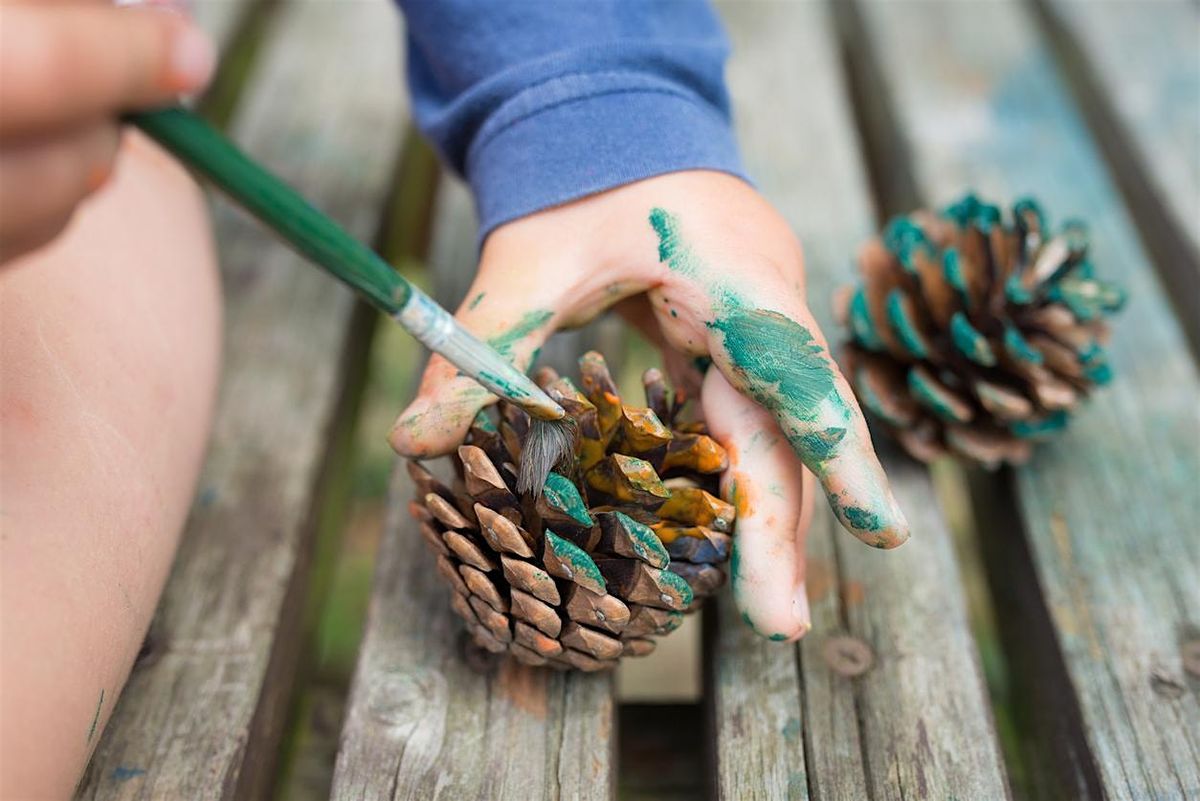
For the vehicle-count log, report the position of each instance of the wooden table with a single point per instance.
(1052, 652)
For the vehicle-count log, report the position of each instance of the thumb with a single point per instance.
(508, 316)
(67, 63)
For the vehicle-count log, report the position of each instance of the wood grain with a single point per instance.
(203, 711)
(1111, 508)
(427, 718)
(917, 723)
(1136, 69)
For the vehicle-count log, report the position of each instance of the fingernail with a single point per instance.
(193, 59)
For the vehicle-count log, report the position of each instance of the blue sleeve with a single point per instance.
(539, 103)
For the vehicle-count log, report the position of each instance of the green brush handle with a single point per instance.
(202, 147)
(325, 243)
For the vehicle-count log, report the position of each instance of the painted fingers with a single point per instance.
(763, 339)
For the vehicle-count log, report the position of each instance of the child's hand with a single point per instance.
(68, 69)
(703, 265)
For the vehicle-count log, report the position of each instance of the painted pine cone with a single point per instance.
(614, 551)
(974, 334)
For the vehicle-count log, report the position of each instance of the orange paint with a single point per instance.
(819, 580)
(853, 593)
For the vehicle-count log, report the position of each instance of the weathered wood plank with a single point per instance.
(202, 713)
(423, 721)
(1137, 68)
(917, 723)
(1111, 508)
(220, 18)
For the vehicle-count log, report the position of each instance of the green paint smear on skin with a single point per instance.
(530, 321)
(778, 361)
(561, 493)
(970, 342)
(778, 358)
(1018, 348)
(931, 397)
(904, 326)
(671, 250)
(475, 301)
(822, 445)
(576, 557)
(862, 519)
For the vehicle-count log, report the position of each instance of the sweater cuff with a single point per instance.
(577, 135)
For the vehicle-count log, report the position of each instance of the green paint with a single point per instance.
(952, 269)
(530, 321)
(679, 584)
(779, 360)
(1076, 233)
(510, 390)
(932, 396)
(561, 494)
(580, 563)
(791, 729)
(1095, 364)
(1036, 429)
(905, 327)
(1016, 292)
(1026, 207)
(823, 445)
(970, 210)
(861, 323)
(862, 519)
(1088, 299)
(645, 542)
(671, 250)
(777, 637)
(1016, 346)
(903, 238)
(970, 342)
(483, 421)
(475, 301)
(96, 717)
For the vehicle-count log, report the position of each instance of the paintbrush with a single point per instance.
(325, 243)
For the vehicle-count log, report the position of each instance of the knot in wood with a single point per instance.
(1191, 657)
(848, 656)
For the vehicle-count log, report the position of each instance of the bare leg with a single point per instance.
(109, 349)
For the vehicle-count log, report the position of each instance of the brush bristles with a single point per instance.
(549, 443)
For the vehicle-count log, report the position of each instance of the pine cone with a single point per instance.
(976, 335)
(615, 549)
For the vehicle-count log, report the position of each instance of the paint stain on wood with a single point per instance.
(819, 579)
(525, 688)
